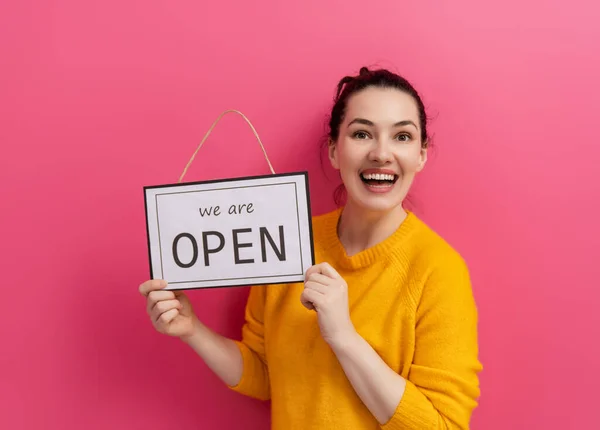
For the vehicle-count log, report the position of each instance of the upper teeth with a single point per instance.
(379, 176)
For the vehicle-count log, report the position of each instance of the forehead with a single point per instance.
(382, 106)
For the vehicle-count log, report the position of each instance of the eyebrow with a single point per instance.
(370, 123)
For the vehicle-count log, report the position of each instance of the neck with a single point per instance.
(360, 229)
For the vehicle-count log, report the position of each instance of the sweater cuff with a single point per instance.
(412, 412)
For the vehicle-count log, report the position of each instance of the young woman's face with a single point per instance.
(379, 149)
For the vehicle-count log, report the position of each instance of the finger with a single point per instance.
(327, 270)
(305, 302)
(167, 317)
(319, 279)
(163, 307)
(156, 296)
(311, 270)
(311, 299)
(308, 305)
(315, 286)
(152, 285)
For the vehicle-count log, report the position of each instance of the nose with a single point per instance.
(381, 151)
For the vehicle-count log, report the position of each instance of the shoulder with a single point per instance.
(322, 223)
(431, 251)
(324, 228)
(436, 267)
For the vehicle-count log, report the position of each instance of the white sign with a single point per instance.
(232, 232)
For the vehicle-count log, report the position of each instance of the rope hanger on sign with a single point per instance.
(211, 129)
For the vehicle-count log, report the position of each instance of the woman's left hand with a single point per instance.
(326, 292)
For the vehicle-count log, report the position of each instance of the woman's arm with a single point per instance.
(377, 385)
(442, 386)
(253, 380)
(241, 365)
(220, 354)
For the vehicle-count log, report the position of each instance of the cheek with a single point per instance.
(409, 162)
(348, 159)
(409, 165)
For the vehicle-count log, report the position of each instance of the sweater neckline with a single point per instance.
(364, 258)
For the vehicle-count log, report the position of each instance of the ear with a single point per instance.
(422, 159)
(332, 148)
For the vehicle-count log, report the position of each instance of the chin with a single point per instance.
(380, 206)
(376, 201)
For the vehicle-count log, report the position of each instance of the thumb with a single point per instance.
(183, 299)
(179, 294)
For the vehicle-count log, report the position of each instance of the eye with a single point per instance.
(403, 137)
(360, 135)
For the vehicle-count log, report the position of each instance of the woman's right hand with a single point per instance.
(171, 312)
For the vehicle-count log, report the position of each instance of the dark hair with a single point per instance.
(350, 85)
(382, 78)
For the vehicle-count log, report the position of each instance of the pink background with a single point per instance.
(98, 99)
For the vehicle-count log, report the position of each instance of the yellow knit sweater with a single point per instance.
(410, 298)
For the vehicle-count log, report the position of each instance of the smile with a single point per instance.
(383, 180)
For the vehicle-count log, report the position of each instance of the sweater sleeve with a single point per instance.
(255, 376)
(442, 387)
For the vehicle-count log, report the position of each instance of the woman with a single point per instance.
(383, 332)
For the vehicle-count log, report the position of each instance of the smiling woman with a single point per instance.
(386, 113)
(383, 332)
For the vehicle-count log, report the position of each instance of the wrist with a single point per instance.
(344, 342)
(196, 332)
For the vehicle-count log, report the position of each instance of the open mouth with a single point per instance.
(379, 179)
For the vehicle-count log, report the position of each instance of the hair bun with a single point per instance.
(364, 71)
